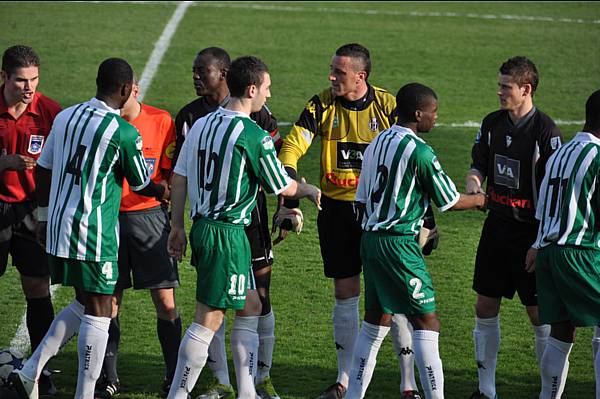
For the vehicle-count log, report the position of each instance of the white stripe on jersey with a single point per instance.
(238, 188)
(224, 178)
(574, 198)
(399, 174)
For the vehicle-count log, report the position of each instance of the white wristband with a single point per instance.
(42, 214)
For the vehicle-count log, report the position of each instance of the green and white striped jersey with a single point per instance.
(569, 201)
(90, 150)
(400, 175)
(225, 157)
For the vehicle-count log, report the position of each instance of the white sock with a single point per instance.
(345, 331)
(427, 357)
(554, 368)
(91, 346)
(217, 356)
(244, 350)
(486, 336)
(266, 339)
(364, 359)
(192, 355)
(64, 327)
(402, 341)
(541, 338)
(596, 350)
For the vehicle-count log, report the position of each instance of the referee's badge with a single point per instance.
(373, 125)
(35, 144)
(150, 162)
(508, 140)
(555, 142)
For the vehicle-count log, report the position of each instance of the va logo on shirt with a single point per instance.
(507, 171)
(373, 125)
(35, 144)
(555, 142)
(150, 162)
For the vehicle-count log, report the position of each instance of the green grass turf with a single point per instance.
(457, 55)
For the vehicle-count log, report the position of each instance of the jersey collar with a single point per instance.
(587, 137)
(94, 102)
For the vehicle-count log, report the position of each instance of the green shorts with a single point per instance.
(396, 278)
(568, 285)
(96, 277)
(221, 255)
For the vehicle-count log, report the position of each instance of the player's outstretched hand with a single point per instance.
(177, 243)
(17, 162)
(313, 193)
(483, 200)
(287, 219)
(530, 260)
(167, 195)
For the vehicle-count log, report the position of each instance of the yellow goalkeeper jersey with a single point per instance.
(346, 128)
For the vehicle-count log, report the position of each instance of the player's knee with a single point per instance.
(35, 287)
(347, 287)
(487, 307)
(428, 321)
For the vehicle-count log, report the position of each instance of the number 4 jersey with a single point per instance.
(225, 157)
(400, 176)
(90, 150)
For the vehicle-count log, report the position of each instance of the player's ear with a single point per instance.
(223, 73)
(527, 89)
(418, 115)
(251, 91)
(362, 75)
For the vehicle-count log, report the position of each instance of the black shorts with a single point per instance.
(500, 262)
(17, 238)
(339, 236)
(259, 235)
(143, 250)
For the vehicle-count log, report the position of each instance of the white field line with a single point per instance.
(20, 342)
(468, 123)
(160, 48)
(332, 10)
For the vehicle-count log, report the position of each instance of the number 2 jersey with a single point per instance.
(346, 128)
(401, 175)
(225, 157)
(90, 150)
(512, 158)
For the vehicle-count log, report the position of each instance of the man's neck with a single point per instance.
(517, 114)
(15, 107)
(217, 97)
(360, 92)
(239, 105)
(130, 113)
(408, 125)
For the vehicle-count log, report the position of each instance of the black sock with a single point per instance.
(40, 314)
(169, 335)
(112, 349)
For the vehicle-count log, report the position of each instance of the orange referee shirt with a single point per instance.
(158, 139)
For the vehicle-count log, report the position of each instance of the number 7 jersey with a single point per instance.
(90, 150)
(225, 157)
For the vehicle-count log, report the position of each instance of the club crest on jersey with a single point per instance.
(267, 143)
(436, 164)
(336, 122)
(555, 142)
(150, 162)
(508, 140)
(373, 125)
(138, 143)
(478, 137)
(35, 144)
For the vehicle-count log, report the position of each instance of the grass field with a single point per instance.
(456, 48)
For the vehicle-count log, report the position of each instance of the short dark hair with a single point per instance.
(522, 70)
(19, 56)
(357, 52)
(411, 98)
(592, 112)
(113, 73)
(218, 54)
(243, 72)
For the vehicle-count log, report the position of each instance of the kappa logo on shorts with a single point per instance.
(35, 144)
